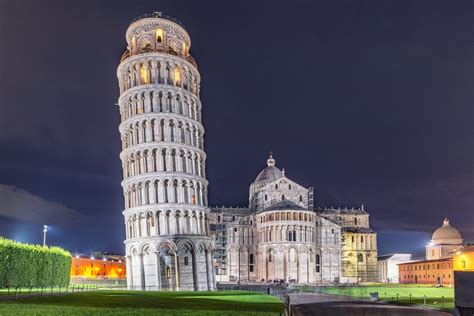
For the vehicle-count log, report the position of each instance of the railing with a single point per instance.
(18, 293)
(158, 15)
(126, 54)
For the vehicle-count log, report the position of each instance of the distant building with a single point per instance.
(463, 259)
(388, 266)
(444, 241)
(436, 271)
(437, 268)
(98, 267)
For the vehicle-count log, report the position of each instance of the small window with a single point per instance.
(266, 197)
(219, 219)
(301, 198)
(289, 186)
(276, 186)
(360, 257)
(283, 197)
(159, 35)
(235, 229)
(186, 261)
(177, 77)
(168, 272)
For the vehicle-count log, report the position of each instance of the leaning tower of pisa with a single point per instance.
(164, 182)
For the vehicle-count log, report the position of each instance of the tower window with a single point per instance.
(282, 197)
(159, 35)
(266, 197)
(185, 49)
(168, 272)
(177, 77)
(144, 74)
(133, 44)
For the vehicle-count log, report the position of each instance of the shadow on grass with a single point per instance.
(212, 301)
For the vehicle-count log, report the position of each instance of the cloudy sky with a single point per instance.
(369, 102)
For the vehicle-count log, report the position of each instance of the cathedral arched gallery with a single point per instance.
(174, 241)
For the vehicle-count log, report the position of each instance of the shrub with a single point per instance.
(24, 265)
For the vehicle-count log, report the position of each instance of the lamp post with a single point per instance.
(45, 230)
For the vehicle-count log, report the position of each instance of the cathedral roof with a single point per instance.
(358, 230)
(269, 174)
(332, 210)
(285, 205)
(447, 234)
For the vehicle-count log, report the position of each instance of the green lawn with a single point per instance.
(115, 302)
(435, 297)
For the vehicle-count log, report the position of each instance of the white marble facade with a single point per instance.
(164, 182)
(283, 238)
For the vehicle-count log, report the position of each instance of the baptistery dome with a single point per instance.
(269, 174)
(447, 234)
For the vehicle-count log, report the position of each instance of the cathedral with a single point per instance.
(284, 238)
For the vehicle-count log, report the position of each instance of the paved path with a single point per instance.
(323, 304)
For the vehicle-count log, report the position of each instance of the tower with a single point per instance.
(164, 183)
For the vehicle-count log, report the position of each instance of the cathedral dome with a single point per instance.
(269, 174)
(447, 234)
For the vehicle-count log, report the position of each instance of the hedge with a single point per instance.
(27, 266)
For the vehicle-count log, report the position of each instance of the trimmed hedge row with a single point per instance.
(26, 266)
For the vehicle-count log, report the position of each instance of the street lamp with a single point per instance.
(45, 230)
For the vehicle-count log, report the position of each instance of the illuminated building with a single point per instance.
(438, 266)
(463, 259)
(90, 267)
(444, 241)
(282, 236)
(436, 271)
(388, 266)
(164, 182)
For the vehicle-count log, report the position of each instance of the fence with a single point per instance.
(16, 293)
(422, 296)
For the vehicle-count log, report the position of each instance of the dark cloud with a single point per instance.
(21, 205)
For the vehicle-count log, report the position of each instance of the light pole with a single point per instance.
(45, 230)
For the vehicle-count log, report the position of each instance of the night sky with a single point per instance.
(369, 102)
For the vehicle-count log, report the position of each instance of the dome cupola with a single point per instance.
(269, 174)
(447, 235)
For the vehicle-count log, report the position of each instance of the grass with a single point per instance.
(442, 298)
(115, 302)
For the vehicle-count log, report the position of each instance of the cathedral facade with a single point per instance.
(285, 238)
